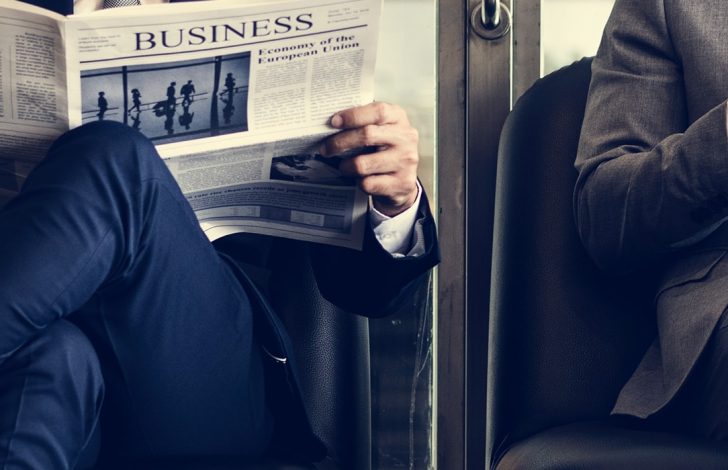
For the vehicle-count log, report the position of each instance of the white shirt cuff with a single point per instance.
(400, 235)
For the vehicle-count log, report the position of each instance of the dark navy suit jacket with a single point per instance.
(64, 7)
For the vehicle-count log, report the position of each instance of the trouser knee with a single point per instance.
(108, 151)
(65, 350)
(51, 391)
(64, 366)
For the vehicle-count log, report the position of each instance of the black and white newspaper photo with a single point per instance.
(172, 101)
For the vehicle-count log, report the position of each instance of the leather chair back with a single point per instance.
(332, 352)
(331, 346)
(564, 337)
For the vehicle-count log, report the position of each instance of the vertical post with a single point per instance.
(488, 103)
(526, 45)
(449, 428)
(125, 87)
(474, 98)
(214, 114)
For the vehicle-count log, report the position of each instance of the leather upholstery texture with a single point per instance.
(564, 336)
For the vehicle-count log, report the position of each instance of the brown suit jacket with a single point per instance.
(653, 175)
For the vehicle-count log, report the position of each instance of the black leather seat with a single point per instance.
(564, 337)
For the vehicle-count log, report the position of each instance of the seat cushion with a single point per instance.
(595, 446)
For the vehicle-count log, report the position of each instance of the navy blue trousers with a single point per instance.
(117, 314)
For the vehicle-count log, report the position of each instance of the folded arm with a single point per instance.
(649, 175)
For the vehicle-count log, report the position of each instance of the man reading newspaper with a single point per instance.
(115, 307)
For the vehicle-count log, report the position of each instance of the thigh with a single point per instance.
(175, 339)
(101, 229)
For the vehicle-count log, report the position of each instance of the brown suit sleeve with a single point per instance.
(648, 177)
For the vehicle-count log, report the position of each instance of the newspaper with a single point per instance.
(236, 99)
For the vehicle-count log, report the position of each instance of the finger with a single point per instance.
(384, 161)
(376, 113)
(389, 135)
(390, 190)
(381, 185)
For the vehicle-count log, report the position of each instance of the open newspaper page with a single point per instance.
(32, 90)
(237, 100)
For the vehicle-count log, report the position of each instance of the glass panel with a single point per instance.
(570, 30)
(402, 363)
(405, 72)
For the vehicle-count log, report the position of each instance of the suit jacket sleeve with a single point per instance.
(64, 7)
(372, 282)
(647, 172)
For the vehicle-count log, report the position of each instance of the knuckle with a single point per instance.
(369, 134)
(410, 158)
(359, 165)
(369, 186)
(381, 109)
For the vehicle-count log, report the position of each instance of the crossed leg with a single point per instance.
(101, 235)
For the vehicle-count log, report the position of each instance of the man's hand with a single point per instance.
(389, 174)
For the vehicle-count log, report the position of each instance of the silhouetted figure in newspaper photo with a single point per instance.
(228, 110)
(230, 84)
(136, 120)
(169, 121)
(186, 117)
(172, 95)
(103, 105)
(136, 99)
(160, 108)
(187, 91)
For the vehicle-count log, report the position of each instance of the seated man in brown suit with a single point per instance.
(652, 192)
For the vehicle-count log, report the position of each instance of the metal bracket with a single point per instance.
(491, 20)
